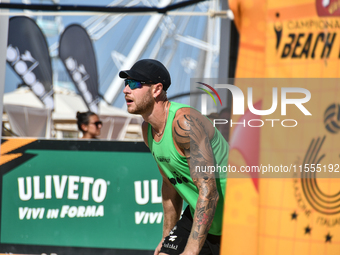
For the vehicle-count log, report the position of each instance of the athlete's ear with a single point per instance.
(157, 89)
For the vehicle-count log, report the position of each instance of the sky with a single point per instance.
(185, 59)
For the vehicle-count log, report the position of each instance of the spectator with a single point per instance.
(89, 124)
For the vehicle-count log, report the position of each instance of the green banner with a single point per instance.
(81, 194)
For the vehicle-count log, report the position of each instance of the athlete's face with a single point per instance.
(139, 100)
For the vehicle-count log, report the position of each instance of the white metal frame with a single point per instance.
(98, 26)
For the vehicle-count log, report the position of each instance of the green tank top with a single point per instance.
(176, 168)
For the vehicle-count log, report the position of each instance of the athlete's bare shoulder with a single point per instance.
(181, 128)
(186, 117)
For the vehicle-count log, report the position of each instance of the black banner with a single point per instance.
(28, 55)
(76, 52)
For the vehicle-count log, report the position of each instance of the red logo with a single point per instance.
(328, 7)
(209, 92)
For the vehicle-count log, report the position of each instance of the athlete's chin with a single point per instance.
(133, 110)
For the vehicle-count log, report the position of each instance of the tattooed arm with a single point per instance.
(191, 134)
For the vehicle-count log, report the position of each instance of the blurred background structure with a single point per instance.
(187, 40)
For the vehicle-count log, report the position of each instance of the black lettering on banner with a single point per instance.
(328, 45)
(293, 47)
(298, 44)
(320, 35)
(288, 47)
(306, 47)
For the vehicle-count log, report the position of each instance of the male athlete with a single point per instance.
(185, 146)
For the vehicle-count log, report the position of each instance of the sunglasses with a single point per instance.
(133, 84)
(97, 123)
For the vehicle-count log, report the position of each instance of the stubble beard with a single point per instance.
(144, 106)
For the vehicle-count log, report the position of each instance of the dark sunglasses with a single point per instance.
(133, 84)
(97, 123)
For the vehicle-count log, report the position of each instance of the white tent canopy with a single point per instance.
(29, 121)
(116, 121)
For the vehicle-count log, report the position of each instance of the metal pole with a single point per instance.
(210, 41)
(3, 50)
(211, 30)
(223, 69)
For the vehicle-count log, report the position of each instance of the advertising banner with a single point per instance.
(287, 39)
(302, 39)
(79, 197)
(284, 170)
(78, 56)
(28, 55)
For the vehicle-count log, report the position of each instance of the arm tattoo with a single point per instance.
(192, 136)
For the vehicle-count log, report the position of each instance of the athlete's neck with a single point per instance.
(157, 118)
